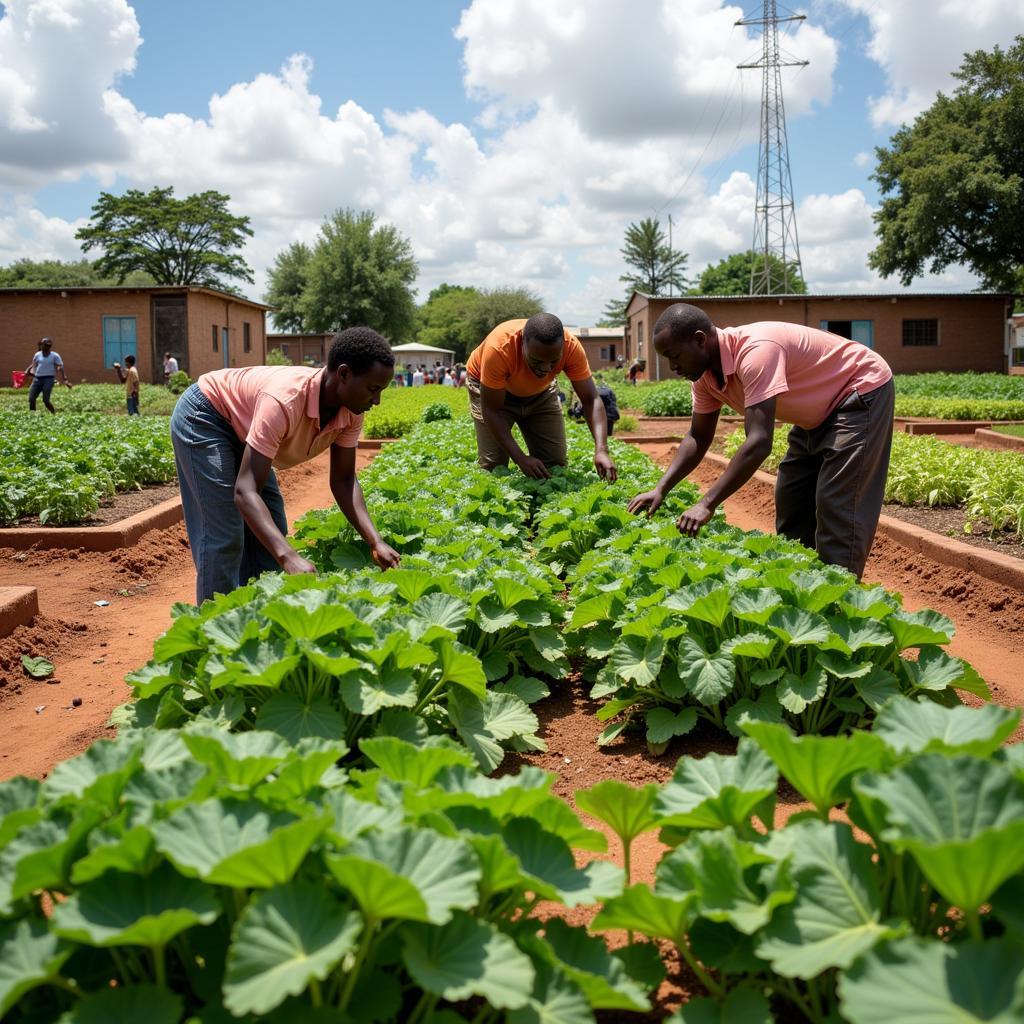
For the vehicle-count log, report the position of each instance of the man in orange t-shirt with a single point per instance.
(839, 397)
(511, 380)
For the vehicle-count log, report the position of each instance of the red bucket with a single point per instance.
(17, 378)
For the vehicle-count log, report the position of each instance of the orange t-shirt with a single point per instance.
(498, 362)
(276, 411)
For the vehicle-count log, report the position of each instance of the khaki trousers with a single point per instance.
(831, 483)
(540, 421)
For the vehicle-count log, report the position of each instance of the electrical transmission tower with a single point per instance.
(776, 247)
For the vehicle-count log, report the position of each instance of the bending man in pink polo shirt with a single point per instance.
(838, 395)
(231, 428)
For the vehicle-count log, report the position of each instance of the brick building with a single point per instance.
(302, 349)
(203, 328)
(914, 332)
(603, 345)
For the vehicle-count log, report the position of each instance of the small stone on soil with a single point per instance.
(76, 702)
(40, 707)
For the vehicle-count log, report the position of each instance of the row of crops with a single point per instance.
(304, 815)
(923, 470)
(946, 396)
(61, 467)
(154, 399)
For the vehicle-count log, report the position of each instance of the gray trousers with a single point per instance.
(540, 421)
(831, 483)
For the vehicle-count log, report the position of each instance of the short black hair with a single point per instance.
(359, 348)
(545, 328)
(682, 321)
(129, 360)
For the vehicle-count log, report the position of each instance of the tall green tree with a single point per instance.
(26, 273)
(656, 268)
(190, 241)
(360, 274)
(497, 305)
(953, 181)
(286, 285)
(444, 320)
(731, 276)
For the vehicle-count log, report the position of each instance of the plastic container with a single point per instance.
(17, 378)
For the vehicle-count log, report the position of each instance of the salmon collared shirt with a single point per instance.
(498, 362)
(808, 371)
(276, 411)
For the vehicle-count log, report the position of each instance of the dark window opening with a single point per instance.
(246, 338)
(920, 333)
(215, 334)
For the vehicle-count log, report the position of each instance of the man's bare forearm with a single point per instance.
(741, 468)
(597, 420)
(687, 458)
(503, 433)
(349, 496)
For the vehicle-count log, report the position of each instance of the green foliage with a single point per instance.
(190, 241)
(656, 269)
(358, 274)
(154, 399)
(401, 409)
(60, 468)
(275, 357)
(952, 184)
(986, 386)
(960, 408)
(178, 381)
(495, 306)
(665, 398)
(26, 273)
(731, 276)
(286, 283)
(445, 320)
(437, 411)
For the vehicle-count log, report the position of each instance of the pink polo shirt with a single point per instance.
(809, 372)
(276, 411)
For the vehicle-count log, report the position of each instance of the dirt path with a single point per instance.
(92, 647)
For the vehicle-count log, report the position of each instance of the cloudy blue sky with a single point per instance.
(512, 141)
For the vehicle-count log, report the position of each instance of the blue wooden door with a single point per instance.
(119, 339)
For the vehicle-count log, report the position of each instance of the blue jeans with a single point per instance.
(40, 385)
(132, 402)
(208, 454)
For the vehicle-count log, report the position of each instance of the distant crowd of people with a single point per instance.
(417, 376)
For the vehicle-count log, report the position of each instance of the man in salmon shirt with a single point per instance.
(511, 381)
(231, 428)
(839, 396)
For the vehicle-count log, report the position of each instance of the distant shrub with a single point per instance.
(437, 411)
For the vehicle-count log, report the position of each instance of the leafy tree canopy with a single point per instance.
(82, 273)
(731, 276)
(497, 305)
(287, 282)
(190, 241)
(953, 181)
(445, 319)
(359, 274)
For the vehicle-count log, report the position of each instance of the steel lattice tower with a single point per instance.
(774, 213)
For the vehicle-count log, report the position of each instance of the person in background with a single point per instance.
(449, 378)
(512, 382)
(43, 370)
(607, 396)
(417, 377)
(463, 375)
(837, 394)
(231, 427)
(170, 366)
(129, 377)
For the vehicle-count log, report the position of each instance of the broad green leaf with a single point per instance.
(411, 584)
(820, 767)
(836, 915)
(750, 645)
(228, 630)
(877, 688)
(863, 602)
(37, 668)
(627, 810)
(466, 958)
(709, 677)
(237, 758)
(440, 615)
(602, 977)
(312, 764)
(934, 669)
(555, 999)
(369, 689)
(504, 797)
(405, 762)
(638, 659)
(285, 938)
(407, 873)
(463, 668)
(638, 909)
(917, 981)
(526, 688)
(510, 592)
(741, 1006)
(236, 843)
(663, 724)
(19, 799)
(310, 614)
(128, 1005)
(468, 717)
(916, 629)
(798, 627)
(797, 693)
(926, 727)
(257, 662)
(351, 817)
(755, 604)
(765, 709)
(30, 955)
(718, 791)
(549, 863)
(707, 601)
(135, 910)
(291, 717)
(506, 716)
(601, 608)
(961, 818)
(817, 589)
(114, 848)
(99, 774)
(860, 633)
(331, 658)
